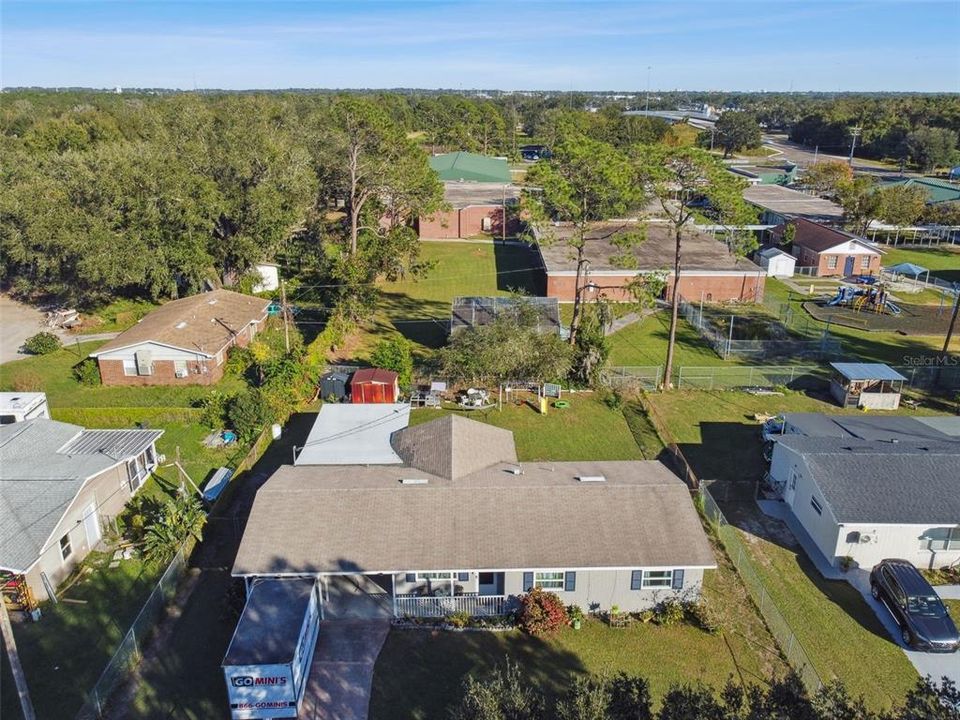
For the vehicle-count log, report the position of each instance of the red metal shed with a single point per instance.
(374, 385)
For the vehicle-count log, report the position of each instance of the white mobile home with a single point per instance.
(19, 406)
(873, 499)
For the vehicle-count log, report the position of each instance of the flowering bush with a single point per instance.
(541, 612)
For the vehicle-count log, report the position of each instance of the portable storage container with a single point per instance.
(268, 662)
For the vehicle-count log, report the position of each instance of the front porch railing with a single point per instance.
(431, 607)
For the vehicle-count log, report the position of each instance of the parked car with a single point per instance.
(925, 622)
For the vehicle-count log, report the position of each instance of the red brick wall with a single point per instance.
(441, 225)
(824, 269)
(719, 288)
(164, 373)
(464, 223)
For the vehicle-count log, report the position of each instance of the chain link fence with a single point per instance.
(130, 651)
(776, 622)
(778, 339)
(794, 377)
(633, 378)
(930, 377)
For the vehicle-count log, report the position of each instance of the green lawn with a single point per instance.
(587, 430)
(419, 308)
(53, 374)
(419, 673)
(943, 261)
(720, 440)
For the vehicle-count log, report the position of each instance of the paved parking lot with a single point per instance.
(17, 322)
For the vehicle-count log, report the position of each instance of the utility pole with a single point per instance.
(283, 309)
(16, 669)
(854, 134)
(953, 319)
(647, 107)
(503, 218)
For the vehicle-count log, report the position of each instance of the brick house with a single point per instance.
(182, 342)
(832, 252)
(60, 486)
(708, 269)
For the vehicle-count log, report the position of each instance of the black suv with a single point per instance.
(924, 621)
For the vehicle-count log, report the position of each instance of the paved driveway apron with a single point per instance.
(342, 671)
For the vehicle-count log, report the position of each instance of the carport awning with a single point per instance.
(908, 268)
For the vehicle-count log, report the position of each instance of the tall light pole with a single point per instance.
(647, 107)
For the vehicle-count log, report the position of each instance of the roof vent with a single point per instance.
(591, 478)
(181, 325)
(414, 481)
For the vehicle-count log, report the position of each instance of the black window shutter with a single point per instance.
(463, 577)
(678, 579)
(636, 579)
(527, 581)
(411, 577)
(569, 581)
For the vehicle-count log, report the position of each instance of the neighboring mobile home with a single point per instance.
(19, 406)
(870, 500)
(183, 341)
(460, 525)
(59, 486)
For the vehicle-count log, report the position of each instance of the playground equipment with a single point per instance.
(874, 298)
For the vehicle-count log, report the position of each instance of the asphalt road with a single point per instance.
(804, 156)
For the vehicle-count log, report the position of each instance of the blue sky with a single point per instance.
(761, 45)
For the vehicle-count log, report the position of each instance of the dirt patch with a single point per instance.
(912, 320)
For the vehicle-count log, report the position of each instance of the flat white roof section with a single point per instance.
(347, 434)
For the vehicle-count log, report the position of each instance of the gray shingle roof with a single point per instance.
(453, 447)
(43, 465)
(907, 482)
(362, 519)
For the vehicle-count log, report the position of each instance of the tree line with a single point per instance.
(508, 694)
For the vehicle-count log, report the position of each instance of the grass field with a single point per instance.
(942, 261)
(420, 673)
(419, 308)
(587, 430)
(720, 440)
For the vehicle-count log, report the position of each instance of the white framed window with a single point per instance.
(66, 548)
(180, 368)
(864, 262)
(815, 504)
(548, 580)
(831, 262)
(657, 579)
(433, 576)
(129, 366)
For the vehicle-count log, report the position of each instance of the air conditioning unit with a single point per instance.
(182, 372)
(144, 362)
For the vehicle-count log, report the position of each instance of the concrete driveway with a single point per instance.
(936, 665)
(341, 675)
(18, 322)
